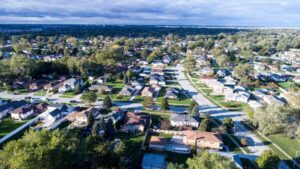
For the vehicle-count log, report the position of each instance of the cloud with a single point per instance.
(174, 12)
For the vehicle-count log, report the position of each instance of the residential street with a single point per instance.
(256, 146)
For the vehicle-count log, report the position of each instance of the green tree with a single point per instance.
(195, 111)
(148, 102)
(90, 120)
(243, 71)
(223, 61)
(20, 65)
(129, 74)
(268, 160)
(89, 97)
(96, 129)
(107, 104)
(205, 124)
(189, 64)
(228, 124)
(125, 80)
(165, 104)
(42, 149)
(175, 166)
(207, 160)
(192, 105)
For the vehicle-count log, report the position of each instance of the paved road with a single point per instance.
(256, 146)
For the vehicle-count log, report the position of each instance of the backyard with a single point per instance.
(8, 125)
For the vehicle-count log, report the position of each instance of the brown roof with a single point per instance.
(158, 140)
(206, 136)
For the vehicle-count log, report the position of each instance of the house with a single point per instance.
(172, 93)
(137, 85)
(206, 71)
(81, 118)
(127, 91)
(162, 144)
(36, 85)
(135, 122)
(296, 79)
(240, 96)
(270, 99)
(101, 88)
(148, 91)
(154, 161)
(203, 139)
(230, 81)
(27, 111)
(278, 78)
(101, 80)
(8, 107)
(179, 120)
(70, 85)
(53, 86)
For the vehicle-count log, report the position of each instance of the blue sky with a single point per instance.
(268, 13)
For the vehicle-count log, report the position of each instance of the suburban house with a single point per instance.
(127, 91)
(70, 85)
(80, 119)
(10, 106)
(162, 144)
(148, 91)
(34, 86)
(203, 139)
(296, 79)
(179, 120)
(100, 88)
(135, 122)
(53, 86)
(154, 161)
(101, 80)
(240, 96)
(206, 71)
(27, 111)
(172, 93)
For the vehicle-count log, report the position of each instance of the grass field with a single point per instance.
(290, 146)
(68, 95)
(8, 125)
(40, 93)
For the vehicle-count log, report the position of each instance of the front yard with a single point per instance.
(183, 99)
(8, 125)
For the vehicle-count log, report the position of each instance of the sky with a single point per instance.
(260, 13)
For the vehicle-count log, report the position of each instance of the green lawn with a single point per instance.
(68, 95)
(8, 125)
(285, 85)
(133, 142)
(201, 85)
(290, 146)
(21, 91)
(183, 99)
(40, 93)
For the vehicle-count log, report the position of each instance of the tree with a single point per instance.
(129, 74)
(107, 104)
(175, 166)
(271, 118)
(205, 124)
(165, 124)
(189, 64)
(20, 65)
(148, 102)
(42, 149)
(89, 97)
(96, 129)
(78, 89)
(195, 111)
(223, 61)
(228, 124)
(125, 80)
(90, 120)
(268, 160)
(165, 104)
(192, 105)
(206, 160)
(109, 130)
(243, 71)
